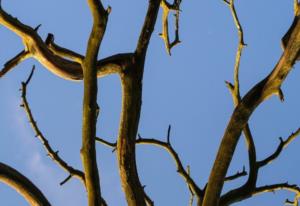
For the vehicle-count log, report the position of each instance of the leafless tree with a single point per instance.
(70, 65)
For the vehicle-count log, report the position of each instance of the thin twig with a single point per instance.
(51, 153)
(283, 144)
(238, 174)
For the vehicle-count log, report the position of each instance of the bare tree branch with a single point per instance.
(148, 28)
(235, 92)
(259, 93)
(63, 52)
(90, 106)
(9, 65)
(109, 144)
(51, 153)
(167, 7)
(236, 175)
(22, 185)
(55, 63)
(180, 169)
(279, 149)
(168, 147)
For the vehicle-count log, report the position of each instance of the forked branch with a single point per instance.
(167, 8)
(259, 93)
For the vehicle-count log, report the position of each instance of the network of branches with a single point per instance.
(70, 65)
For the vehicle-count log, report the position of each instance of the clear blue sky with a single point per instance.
(185, 90)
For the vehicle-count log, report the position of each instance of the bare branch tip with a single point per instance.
(37, 27)
(108, 10)
(30, 76)
(168, 134)
(49, 39)
(280, 95)
(65, 180)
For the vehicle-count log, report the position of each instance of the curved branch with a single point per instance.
(279, 149)
(195, 190)
(180, 169)
(51, 153)
(52, 60)
(62, 52)
(22, 185)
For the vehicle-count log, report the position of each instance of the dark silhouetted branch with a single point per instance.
(14, 62)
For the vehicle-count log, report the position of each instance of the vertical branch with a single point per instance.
(88, 150)
(131, 80)
(235, 91)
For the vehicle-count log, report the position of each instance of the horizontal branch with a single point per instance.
(55, 62)
(237, 175)
(267, 87)
(51, 153)
(168, 147)
(22, 185)
(62, 52)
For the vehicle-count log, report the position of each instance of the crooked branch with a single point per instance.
(167, 7)
(51, 153)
